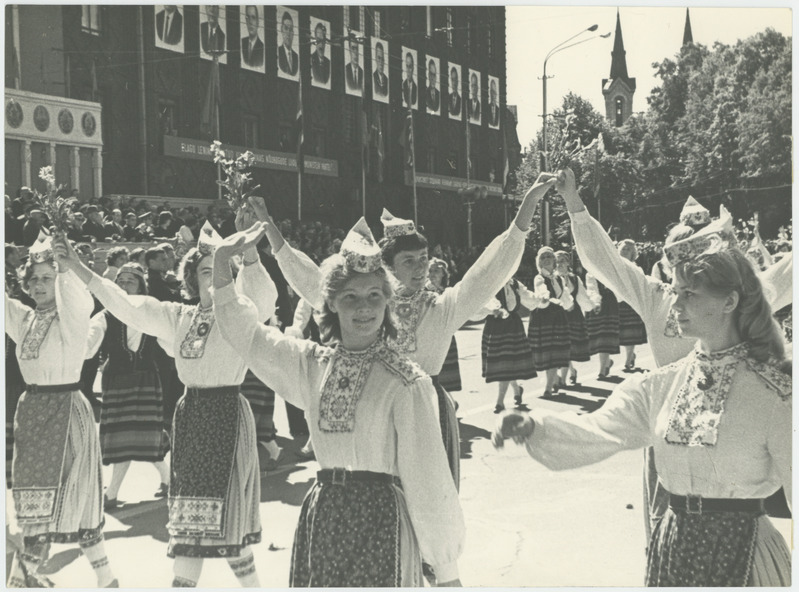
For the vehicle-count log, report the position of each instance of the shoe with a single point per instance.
(271, 448)
(556, 387)
(114, 584)
(517, 398)
(573, 377)
(631, 364)
(547, 394)
(110, 504)
(306, 452)
(163, 490)
(499, 408)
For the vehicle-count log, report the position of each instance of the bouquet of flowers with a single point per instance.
(57, 208)
(237, 176)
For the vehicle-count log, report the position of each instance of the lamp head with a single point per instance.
(593, 28)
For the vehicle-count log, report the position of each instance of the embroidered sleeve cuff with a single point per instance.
(446, 572)
(225, 294)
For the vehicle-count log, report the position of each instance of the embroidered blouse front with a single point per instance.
(342, 388)
(40, 322)
(193, 345)
(408, 312)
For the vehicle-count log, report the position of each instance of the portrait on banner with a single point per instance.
(251, 33)
(212, 32)
(353, 70)
(320, 53)
(380, 86)
(454, 99)
(474, 109)
(169, 27)
(493, 102)
(410, 89)
(288, 44)
(433, 86)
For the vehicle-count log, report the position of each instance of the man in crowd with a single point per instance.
(94, 223)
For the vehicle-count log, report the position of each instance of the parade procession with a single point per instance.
(252, 340)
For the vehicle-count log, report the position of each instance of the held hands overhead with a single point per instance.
(512, 424)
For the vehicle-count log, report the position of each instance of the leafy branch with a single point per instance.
(237, 179)
(58, 209)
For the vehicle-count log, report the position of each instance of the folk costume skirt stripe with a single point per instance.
(450, 375)
(355, 535)
(506, 352)
(132, 418)
(56, 469)
(578, 335)
(548, 333)
(262, 402)
(603, 327)
(450, 430)
(215, 488)
(717, 549)
(631, 328)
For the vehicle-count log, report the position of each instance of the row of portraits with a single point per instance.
(435, 100)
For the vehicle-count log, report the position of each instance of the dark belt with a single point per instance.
(339, 476)
(694, 504)
(213, 390)
(52, 388)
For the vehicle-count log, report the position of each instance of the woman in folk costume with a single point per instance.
(438, 281)
(548, 329)
(214, 490)
(632, 331)
(56, 469)
(506, 354)
(602, 324)
(132, 413)
(650, 298)
(578, 333)
(426, 322)
(719, 420)
(384, 497)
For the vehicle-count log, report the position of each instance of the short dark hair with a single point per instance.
(390, 247)
(152, 254)
(114, 254)
(287, 15)
(187, 272)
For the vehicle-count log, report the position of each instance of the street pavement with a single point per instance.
(526, 526)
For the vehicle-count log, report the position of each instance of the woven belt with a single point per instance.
(339, 476)
(213, 390)
(693, 504)
(52, 388)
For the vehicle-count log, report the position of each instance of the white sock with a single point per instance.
(187, 572)
(95, 553)
(244, 568)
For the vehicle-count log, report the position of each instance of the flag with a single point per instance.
(468, 151)
(300, 130)
(209, 118)
(407, 142)
(377, 139)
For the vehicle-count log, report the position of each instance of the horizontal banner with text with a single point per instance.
(431, 181)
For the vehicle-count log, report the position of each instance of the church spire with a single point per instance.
(687, 36)
(618, 65)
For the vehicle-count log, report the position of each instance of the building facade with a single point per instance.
(147, 72)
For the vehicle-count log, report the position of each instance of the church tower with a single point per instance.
(619, 88)
(687, 35)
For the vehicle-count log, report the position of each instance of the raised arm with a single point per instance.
(254, 282)
(498, 263)
(600, 257)
(15, 317)
(74, 304)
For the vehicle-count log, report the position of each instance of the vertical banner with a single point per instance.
(433, 94)
(288, 44)
(493, 102)
(251, 32)
(410, 90)
(475, 108)
(379, 75)
(455, 104)
(353, 70)
(169, 27)
(320, 62)
(212, 32)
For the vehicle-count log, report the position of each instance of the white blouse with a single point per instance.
(427, 320)
(372, 411)
(188, 333)
(649, 297)
(721, 432)
(51, 344)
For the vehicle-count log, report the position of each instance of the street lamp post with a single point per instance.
(561, 46)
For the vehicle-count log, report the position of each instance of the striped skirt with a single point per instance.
(132, 418)
(578, 335)
(631, 328)
(262, 402)
(355, 535)
(548, 333)
(506, 352)
(55, 435)
(603, 328)
(450, 375)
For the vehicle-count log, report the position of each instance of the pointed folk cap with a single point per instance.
(395, 227)
(42, 250)
(694, 213)
(208, 240)
(360, 249)
(712, 238)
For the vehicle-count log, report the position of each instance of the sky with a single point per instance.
(650, 35)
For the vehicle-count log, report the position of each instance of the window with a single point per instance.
(619, 111)
(490, 37)
(469, 35)
(90, 19)
(354, 17)
(168, 117)
(450, 26)
(378, 21)
(251, 136)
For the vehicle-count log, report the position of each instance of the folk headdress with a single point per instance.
(41, 251)
(360, 250)
(694, 214)
(396, 227)
(208, 240)
(717, 235)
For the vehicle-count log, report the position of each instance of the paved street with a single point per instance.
(526, 526)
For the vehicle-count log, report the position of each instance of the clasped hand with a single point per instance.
(512, 424)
